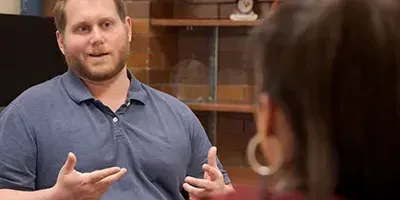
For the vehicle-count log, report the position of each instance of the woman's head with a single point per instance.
(328, 93)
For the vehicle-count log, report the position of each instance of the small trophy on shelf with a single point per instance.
(244, 11)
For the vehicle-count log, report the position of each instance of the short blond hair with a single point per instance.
(60, 18)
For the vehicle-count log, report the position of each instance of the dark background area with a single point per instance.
(29, 54)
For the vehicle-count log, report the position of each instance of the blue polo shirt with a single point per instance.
(157, 138)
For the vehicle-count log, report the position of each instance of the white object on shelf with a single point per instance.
(245, 11)
(243, 17)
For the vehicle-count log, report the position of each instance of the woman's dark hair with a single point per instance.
(332, 66)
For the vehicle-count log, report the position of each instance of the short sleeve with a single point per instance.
(17, 151)
(200, 145)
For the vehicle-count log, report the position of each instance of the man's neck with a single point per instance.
(113, 92)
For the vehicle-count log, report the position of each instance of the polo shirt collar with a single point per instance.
(136, 91)
(78, 91)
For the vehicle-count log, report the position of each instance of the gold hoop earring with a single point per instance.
(254, 142)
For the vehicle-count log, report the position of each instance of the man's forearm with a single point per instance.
(45, 194)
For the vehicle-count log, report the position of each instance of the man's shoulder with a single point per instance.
(39, 94)
(168, 100)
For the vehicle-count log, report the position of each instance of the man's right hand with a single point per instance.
(74, 185)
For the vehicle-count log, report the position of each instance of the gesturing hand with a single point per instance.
(74, 185)
(213, 182)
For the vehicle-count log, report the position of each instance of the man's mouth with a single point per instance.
(96, 55)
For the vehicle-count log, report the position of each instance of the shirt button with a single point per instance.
(115, 119)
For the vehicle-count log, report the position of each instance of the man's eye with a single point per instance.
(107, 24)
(83, 29)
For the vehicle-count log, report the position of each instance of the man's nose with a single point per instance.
(97, 36)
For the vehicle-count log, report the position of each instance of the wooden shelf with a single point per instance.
(220, 107)
(201, 22)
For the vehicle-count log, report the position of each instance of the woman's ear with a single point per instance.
(268, 119)
(265, 115)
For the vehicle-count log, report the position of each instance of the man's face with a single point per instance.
(95, 41)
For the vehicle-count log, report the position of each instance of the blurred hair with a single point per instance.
(332, 66)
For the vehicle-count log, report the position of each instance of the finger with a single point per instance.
(98, 175)
(197, 192)
(111, 179)
(212, 172)
(70, 163)
(212, 157)
(200, 183)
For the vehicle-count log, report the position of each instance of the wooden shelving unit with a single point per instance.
(213, 106)
(221, 107)
(212, 23)
(202, 22)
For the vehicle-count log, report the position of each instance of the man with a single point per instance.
(124, 140)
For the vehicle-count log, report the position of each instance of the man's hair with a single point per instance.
(60, 19)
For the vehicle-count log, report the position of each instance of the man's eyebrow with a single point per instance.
(78, 24)
(107, 19)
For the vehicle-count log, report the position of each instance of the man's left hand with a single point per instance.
(213, 182)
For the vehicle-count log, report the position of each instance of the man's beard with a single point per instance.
(84, 71)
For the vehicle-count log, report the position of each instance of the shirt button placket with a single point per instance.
(117, 129)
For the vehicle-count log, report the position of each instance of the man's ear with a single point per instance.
(60, 41)
(128, 24)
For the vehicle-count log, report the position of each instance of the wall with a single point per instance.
(10, 6)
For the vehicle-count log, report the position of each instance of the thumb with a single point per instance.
(70, 163)
(212, 157)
